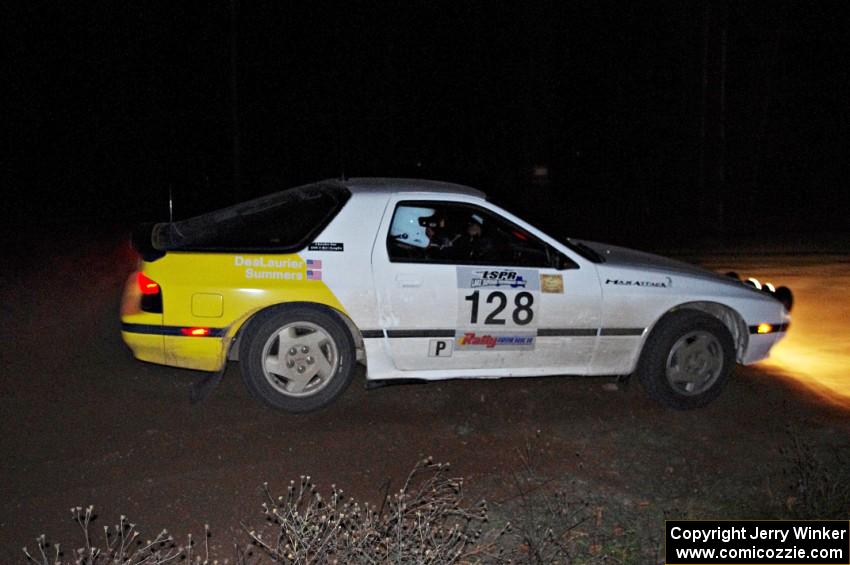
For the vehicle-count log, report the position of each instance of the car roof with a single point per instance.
(380, 185)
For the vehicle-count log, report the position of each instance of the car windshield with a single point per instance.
(575, 245)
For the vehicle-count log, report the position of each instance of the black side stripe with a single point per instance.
(566, 332)
(542, 332)
(153, 329)
(420, 333)
(407, 333)
(621, 331)
(775, 328)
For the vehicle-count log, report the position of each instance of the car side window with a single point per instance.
(458, 233)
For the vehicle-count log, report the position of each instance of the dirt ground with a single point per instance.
(83, 423)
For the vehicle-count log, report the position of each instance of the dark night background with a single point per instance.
(651, 120)
(716, 132)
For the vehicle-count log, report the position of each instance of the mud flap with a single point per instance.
(204, 387)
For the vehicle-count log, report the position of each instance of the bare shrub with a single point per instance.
(425, 522)
(120, 545)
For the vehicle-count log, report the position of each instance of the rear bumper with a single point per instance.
(199, 353)
(145, 347)
(157, 344)
(150, 340)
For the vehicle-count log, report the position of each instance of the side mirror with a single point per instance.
(563, 263)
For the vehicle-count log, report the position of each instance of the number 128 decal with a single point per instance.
(521, 313)
(497, 297)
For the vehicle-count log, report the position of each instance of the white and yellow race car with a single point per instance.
(428, 280)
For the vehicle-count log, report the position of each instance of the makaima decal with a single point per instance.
(666, 283)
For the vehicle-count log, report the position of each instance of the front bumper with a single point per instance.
(759, 346)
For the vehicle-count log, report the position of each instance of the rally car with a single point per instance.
(428, 280)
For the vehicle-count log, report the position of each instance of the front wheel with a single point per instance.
(297, 358)
(687, 360)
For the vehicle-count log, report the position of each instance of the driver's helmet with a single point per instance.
(409, 225)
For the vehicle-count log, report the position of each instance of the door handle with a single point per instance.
(408, 281)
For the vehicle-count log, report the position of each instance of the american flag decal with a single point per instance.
(314, 275)
(314, 263)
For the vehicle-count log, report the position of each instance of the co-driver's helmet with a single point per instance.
(409, 225)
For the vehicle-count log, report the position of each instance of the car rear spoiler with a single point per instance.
(142, 241)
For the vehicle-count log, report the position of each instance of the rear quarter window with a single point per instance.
(282, 222)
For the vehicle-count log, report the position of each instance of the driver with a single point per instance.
(474, 244)
(435, 227)
(409, 226)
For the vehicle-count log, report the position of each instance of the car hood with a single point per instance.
(615, 256)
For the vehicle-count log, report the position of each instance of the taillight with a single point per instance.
(151, 294)
(146, 285)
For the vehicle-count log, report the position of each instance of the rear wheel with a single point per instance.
(687, 360)
(297, 358)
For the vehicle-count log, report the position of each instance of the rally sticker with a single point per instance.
(494, 298)
(440, 347)
(492, 341)
(552, 284)
(326, 246)
(270, 268)
(474, 277)
(279, 268)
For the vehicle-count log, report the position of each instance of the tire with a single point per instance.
(686, 360)
(297, 358)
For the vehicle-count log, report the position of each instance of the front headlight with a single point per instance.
(783, 294)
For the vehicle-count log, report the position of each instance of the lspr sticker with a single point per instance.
(508, 279)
